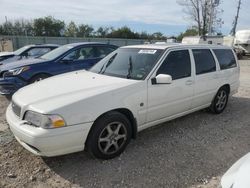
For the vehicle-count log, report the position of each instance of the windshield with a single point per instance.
(21, 50)
(56, 53)
(130, 63)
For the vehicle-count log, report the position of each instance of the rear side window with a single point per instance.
(102, 51)
(82, 53)
(177, 64)
(204, 61)
(226, 58)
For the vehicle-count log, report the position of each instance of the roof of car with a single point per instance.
(169, 45)
(43, 45)
(86, 43)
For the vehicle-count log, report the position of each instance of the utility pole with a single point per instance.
(211, 15)
(233, 31)
(6, 22)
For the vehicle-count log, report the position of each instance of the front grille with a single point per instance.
(16, 109)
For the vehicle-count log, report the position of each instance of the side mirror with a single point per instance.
(25, 54)
(162, 79)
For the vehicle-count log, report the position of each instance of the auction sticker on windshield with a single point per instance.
(147, 51)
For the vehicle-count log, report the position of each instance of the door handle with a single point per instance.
(189, 82)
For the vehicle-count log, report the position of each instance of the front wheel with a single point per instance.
(109, 136)
(38, 78)
(220, 101)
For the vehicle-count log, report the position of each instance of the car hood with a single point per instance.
(6, 53)
(58, 91)
(238, 175)
(25, 62)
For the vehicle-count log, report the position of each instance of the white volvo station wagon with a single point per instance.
(133, 88)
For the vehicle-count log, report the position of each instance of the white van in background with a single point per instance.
(242, 38)
(217, 40)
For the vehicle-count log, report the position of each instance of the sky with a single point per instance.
(165, 16)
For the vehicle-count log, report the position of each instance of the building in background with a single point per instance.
(6, 45)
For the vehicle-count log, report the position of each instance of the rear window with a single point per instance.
(204, 61)
(226, 58)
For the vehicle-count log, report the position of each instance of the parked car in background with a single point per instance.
(242, 38)
(64, 59)
(230, 42)
(25, 52)
(133, 88)
(238, 175)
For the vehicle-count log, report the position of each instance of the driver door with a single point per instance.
(81, 58)
(167, 100)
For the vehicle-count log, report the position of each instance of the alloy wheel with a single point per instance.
(112, 138)
(221, 100)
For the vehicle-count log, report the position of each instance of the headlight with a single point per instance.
(14, 72)
(44, 121)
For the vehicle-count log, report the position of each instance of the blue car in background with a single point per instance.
(29, 51)
(64, 59)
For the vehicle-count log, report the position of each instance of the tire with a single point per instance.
(220, 101)
(38, 78)
(109, 136)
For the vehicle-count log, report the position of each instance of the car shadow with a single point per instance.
(6, 98)
(246, 57)
(179, 153)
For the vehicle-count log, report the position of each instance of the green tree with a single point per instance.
(17, 27)
(7, 28)
(144, 35)
(85, 30)
(28, 25)
(48, 26)
(71, 30)
(124, 32)
(204, 13)
(104, 31)
(188, 32)
(22, 27)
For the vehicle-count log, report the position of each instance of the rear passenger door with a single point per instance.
(81, 58)
(206, 79)
(103, 51)
(88, 56)
(166, 100)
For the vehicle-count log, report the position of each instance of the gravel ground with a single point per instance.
(192, 151)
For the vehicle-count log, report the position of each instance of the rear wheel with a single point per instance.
(109, 136)
(220, 101)
(38, 78)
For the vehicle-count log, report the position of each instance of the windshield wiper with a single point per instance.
(100, 72)
(103, 69)
(130, 67)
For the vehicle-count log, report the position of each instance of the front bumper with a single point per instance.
(10, 85)
(48, 142)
